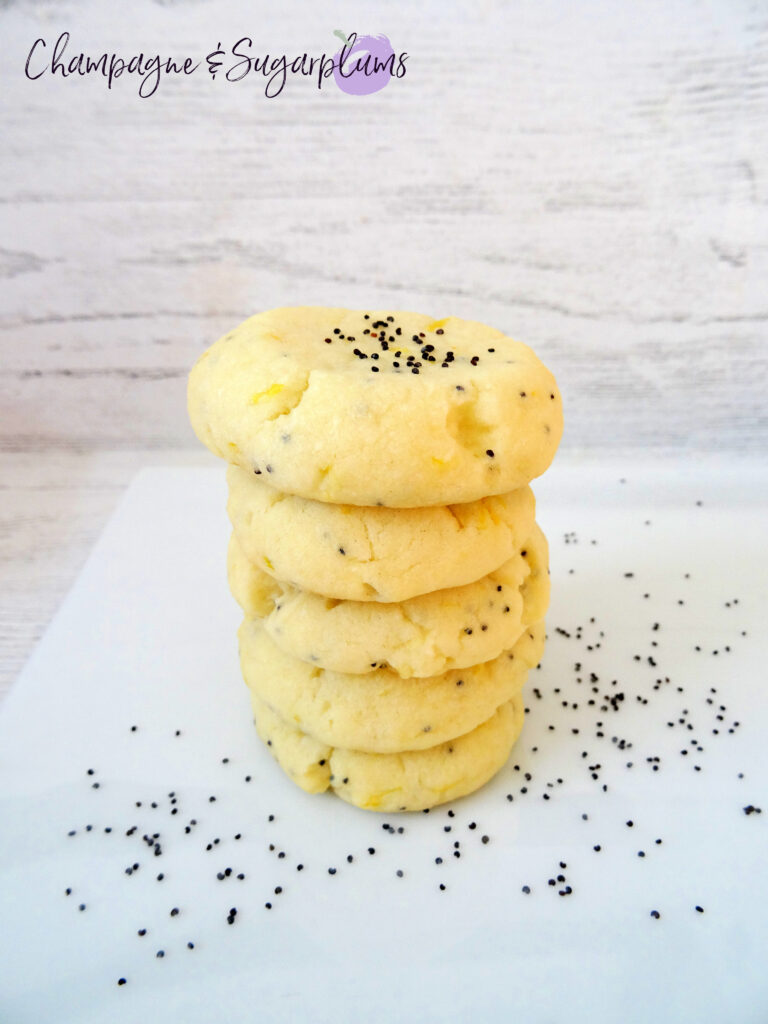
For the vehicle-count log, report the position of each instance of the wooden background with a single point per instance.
(590, 177)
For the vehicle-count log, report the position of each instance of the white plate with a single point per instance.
(147, 638)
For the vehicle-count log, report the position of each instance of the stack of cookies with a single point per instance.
(384, 547)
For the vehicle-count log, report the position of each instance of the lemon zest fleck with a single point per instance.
(270, 392)
(374, 801)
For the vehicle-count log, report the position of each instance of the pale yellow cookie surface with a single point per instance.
(408, 781)
(423, 636)
(380, 712)
(304, 759)
(376, 408)
(380, 554)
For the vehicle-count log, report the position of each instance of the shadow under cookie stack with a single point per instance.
(384, 546)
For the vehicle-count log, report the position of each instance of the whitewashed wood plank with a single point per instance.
(591, 179)
(52, 508)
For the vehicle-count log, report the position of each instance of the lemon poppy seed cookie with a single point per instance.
(437, 411)
(423, 636)
(381, 712)
(535, 588)
(381, 554)
(384, 544)
(305, 760)
(411, 780)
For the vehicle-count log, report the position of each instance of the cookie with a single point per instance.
(407, 781)
(376, 408)
(423, 636)
(380, 712)
(254, 590)
(381, 554)
(304, 759)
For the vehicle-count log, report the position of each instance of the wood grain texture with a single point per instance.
(590, 177)
(52, 508)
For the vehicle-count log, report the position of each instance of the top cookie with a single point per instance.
(376, 408)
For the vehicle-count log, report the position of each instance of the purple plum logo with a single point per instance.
(364, 64)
